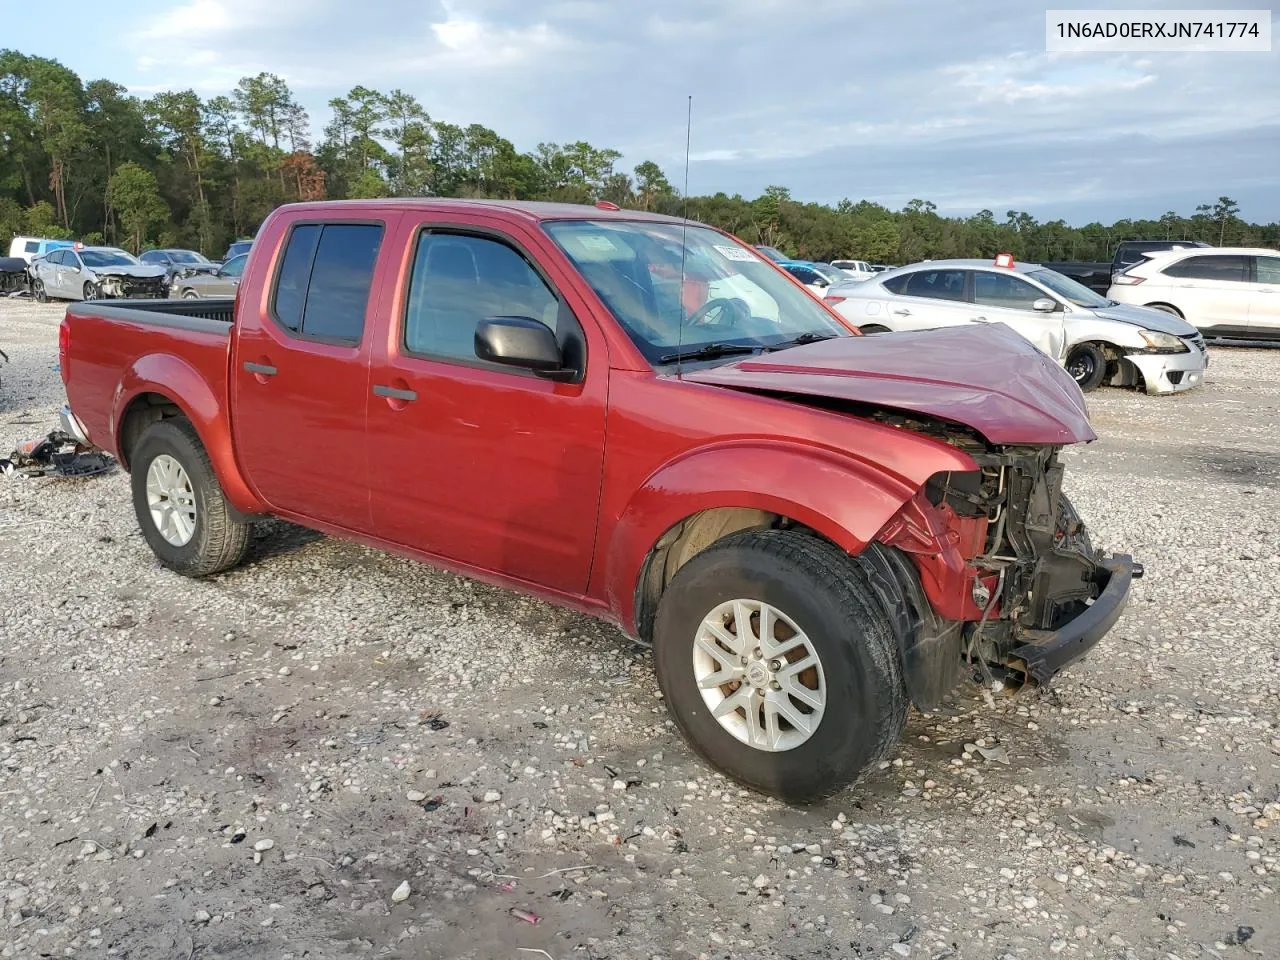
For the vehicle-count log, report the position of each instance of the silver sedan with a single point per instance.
(92, 273)
(1096, 339)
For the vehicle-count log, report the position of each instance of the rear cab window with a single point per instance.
(322, 284)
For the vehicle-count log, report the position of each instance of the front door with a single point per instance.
(1003, 297)
(489, 466)
(301, 377)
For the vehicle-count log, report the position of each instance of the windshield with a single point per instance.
(729, 295)
(106, 258)
(1067, 288)
(186, 256)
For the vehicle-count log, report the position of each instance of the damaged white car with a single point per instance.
(95, 273)
(1097, 340)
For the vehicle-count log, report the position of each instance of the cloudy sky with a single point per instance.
(954, 101)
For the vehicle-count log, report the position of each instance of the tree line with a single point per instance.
(92, 162)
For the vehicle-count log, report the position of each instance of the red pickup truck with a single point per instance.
(634, 416)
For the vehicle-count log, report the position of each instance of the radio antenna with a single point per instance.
(684, 234)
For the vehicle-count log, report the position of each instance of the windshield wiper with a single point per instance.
(802, 340)
(709, 351)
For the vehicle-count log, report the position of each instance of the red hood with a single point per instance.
(985, 376)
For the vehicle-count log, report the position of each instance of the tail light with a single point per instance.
(832, 300)
(64, 347)
(1127, 280)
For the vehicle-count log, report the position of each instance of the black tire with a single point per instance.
(91, 291)
(869, 328)
(1167, 308)
(38, 291)
(1087, 365)
(220, 538)
(823, 591)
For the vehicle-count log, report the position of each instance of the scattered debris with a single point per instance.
(524, 915)
(58, 453)
(1181, 841)
(1242, 936)
(401, 893)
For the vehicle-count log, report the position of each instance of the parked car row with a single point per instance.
(66, 270)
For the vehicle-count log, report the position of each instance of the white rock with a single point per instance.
(264, 845)
(760, 882)
(493, 796)
(902, 949)
(415, 796)
(401, 893)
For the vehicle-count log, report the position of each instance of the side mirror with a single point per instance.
(521, 342)
(1045, 305)
(822, 282)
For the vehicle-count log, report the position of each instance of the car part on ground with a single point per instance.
(56, 453)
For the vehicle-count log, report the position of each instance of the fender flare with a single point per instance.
(843, 498)
(187, 389)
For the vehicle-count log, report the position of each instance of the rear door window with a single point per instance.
(936, 284)
(1268, 269)
(322, 287)
(1228, 268)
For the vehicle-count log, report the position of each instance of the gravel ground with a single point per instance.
(331, 752)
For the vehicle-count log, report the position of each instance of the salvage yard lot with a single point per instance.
(379, 722)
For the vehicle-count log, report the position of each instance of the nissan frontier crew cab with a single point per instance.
(637, 417)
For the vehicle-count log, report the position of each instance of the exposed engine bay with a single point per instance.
(125, 286)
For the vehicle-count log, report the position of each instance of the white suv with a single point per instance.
(1224, 291)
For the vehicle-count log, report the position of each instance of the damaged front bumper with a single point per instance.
(1041, 654)
(1164, 372)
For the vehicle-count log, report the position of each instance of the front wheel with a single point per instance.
(181, 509)
(779, 665)
(39, 292)
(1087, 365)
(91, 291)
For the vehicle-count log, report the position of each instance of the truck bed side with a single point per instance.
(127, 363)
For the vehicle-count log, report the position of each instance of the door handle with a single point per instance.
(262, 369)
(392, 393)
(904, 312)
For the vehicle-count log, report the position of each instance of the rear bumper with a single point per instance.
(71, 424)
(1044, 653)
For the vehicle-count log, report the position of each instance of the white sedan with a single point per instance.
(1222, 291)
(1096, 339)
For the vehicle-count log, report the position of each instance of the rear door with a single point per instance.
(485, 465)
(928, 298)
(1212, 291)
(1004, 297)
(1264, 308)
(301, 373)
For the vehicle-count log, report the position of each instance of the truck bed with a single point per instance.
(114, 348)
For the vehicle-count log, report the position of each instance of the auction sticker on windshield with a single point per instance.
(736, 253)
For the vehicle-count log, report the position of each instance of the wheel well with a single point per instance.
(144, 410)
(686, 540)
(1160, 304)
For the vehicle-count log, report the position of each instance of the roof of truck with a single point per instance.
(533, 210)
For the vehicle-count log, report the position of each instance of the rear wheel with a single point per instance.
(1087, 365)
(190, 295)
(181, 509)
(779, 665)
